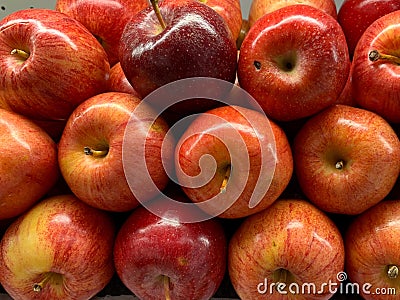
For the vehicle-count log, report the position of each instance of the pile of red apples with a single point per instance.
(276, 168)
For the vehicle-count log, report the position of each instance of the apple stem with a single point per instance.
(393, 271)
(38, 287)
(95, 153)
(156, 9)
(339, 165)
(166, 288)
(374, 55)
(23, 54)
(225, 181)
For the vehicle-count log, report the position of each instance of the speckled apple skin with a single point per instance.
(192, 147)
(66, 65)
(374, 83)
(100, 181)
(290, 234)
(314, 44)
(372, 242)
(28, 166)
(364, 141)
(192, 255)
(195, 43)
(259, 8)
(60, 234)
(230, 11)
(105, 19)
(354, 16)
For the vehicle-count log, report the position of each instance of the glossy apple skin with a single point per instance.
(61, 235)
(65, 67)
(196, 143)
(28, 167)
(346, 96)
(105, 19)
(230, 11)
(290, 234)
(372, 244)
(196, 41)
(303, 62)
(119, 83)
(356, 15)
(375, 83)
(192, 255)
(99, 123)
(259, 8)
(366, 144)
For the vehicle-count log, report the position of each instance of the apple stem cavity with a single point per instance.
(166, 282)
(283, 276)
(156, 9)
(20, 53)
(375, 55)
(393, 271)
(95, 153)
(56, 278)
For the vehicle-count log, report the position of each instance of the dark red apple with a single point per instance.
(186, 39)
(159, 257)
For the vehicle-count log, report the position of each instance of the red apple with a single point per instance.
(294, 73)
(259, 8)
(91, 151)
(375, 72)
(49, 63)
(246, 147)
(346, 96)
(60, 249)
(119, 83)
(192, 41)
(28, 164)
(347, 159)
(372, 245)
(230, 11)
(54, 128)
(291, 247)
(105, 19)
(356, 15)
(159, 257)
